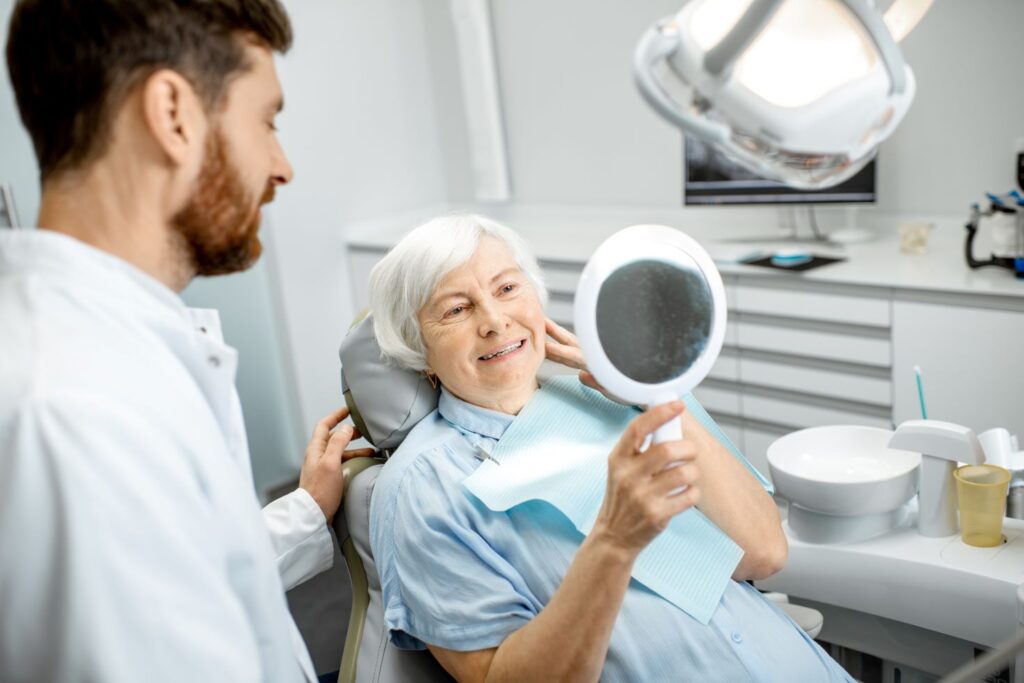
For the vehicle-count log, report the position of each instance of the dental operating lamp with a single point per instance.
(799, 91)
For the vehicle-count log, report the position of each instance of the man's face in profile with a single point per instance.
(243, 163)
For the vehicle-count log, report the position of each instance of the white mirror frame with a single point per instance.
(640, 243)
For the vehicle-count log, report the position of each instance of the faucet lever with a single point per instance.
(941, 445)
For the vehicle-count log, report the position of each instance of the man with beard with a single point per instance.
(131, 543)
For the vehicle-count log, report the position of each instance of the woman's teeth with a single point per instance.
(501, 352)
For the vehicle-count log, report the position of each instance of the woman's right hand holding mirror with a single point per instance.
(643, 492)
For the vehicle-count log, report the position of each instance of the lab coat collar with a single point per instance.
(41, 250)
(467, 417)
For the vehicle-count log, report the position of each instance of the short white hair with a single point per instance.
(404, 280)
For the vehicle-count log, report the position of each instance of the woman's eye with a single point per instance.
(508, 288)
(455, 311)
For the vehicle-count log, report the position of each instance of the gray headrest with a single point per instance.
(386, 402)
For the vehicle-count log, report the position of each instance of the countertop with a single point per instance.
(569, 235)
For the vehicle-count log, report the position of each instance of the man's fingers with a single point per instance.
(323, 428)
(357, 453)
(649, 421)
(339, 440)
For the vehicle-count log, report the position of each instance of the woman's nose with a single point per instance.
(492, 319)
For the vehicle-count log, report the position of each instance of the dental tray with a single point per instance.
(815, 262)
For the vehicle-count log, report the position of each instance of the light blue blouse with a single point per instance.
(460, 576)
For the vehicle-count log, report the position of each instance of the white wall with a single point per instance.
(360, 128)
(578, 132)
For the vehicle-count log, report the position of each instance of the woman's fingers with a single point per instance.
(647, 423)
(569, 356)
(559, 333)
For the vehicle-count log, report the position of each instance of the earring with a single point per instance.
(430, 378)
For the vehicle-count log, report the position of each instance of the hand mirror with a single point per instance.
(650, 316)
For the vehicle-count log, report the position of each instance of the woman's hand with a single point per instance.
(565, 350)
(321, 472)
(641, 496)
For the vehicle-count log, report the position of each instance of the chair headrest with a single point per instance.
(385, 401)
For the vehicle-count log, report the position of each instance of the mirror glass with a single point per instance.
(654, 318)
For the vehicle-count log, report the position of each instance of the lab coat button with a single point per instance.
(213, 361)
(737, 638)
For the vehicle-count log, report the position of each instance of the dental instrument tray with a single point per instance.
(814, 262)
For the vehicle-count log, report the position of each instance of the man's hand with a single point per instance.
(565, 350)
(321, 469)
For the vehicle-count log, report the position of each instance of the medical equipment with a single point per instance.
(941, 445)
(650, 316)
(920, 392)
(8, 212)
(1020, 163)
(1005, 219)
(981, 496)
(800, 91)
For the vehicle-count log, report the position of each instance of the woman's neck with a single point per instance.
(509, 403)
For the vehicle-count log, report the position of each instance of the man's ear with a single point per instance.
(174, 115)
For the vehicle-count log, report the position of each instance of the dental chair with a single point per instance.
(386, 403)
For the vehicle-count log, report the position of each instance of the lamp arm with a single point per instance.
(657, 44)
(903, 15)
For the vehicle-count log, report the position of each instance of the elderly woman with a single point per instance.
(522, 595)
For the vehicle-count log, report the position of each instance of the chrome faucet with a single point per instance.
(941, 445)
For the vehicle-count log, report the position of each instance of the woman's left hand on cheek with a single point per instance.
(565, 350)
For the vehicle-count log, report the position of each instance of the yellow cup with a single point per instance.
(981, 490)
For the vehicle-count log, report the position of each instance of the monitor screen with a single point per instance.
(710, 177)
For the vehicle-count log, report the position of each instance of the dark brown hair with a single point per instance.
(73, 62)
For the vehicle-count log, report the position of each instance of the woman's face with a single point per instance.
(484, 330)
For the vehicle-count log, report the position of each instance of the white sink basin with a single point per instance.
(842, 472)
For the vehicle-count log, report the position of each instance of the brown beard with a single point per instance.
(220, 224)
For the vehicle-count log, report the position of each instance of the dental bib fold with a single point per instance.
(557, 450)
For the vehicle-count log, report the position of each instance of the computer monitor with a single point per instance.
(711, 178)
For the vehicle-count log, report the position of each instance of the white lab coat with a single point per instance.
(132, 547)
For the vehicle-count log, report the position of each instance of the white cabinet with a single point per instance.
(971, 359)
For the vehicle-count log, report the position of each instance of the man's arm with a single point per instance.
(299, 521)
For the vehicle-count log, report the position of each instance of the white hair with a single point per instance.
(404, 280)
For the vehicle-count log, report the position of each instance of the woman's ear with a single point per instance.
(174, 116)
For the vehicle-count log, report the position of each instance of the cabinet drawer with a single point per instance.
(835, 308)
(560, 311)
(561, 278)
(799, 415)
(815, 343)
(726, 367)
(832, 383)
(718, 399)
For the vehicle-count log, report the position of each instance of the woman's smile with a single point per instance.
(504, 352)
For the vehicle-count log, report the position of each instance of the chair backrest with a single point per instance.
(369, 656)
(386, 403)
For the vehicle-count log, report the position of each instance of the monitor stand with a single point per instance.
(790, 236)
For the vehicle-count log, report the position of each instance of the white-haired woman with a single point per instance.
(521, 595)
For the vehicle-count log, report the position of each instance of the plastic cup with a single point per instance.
(981, 490)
